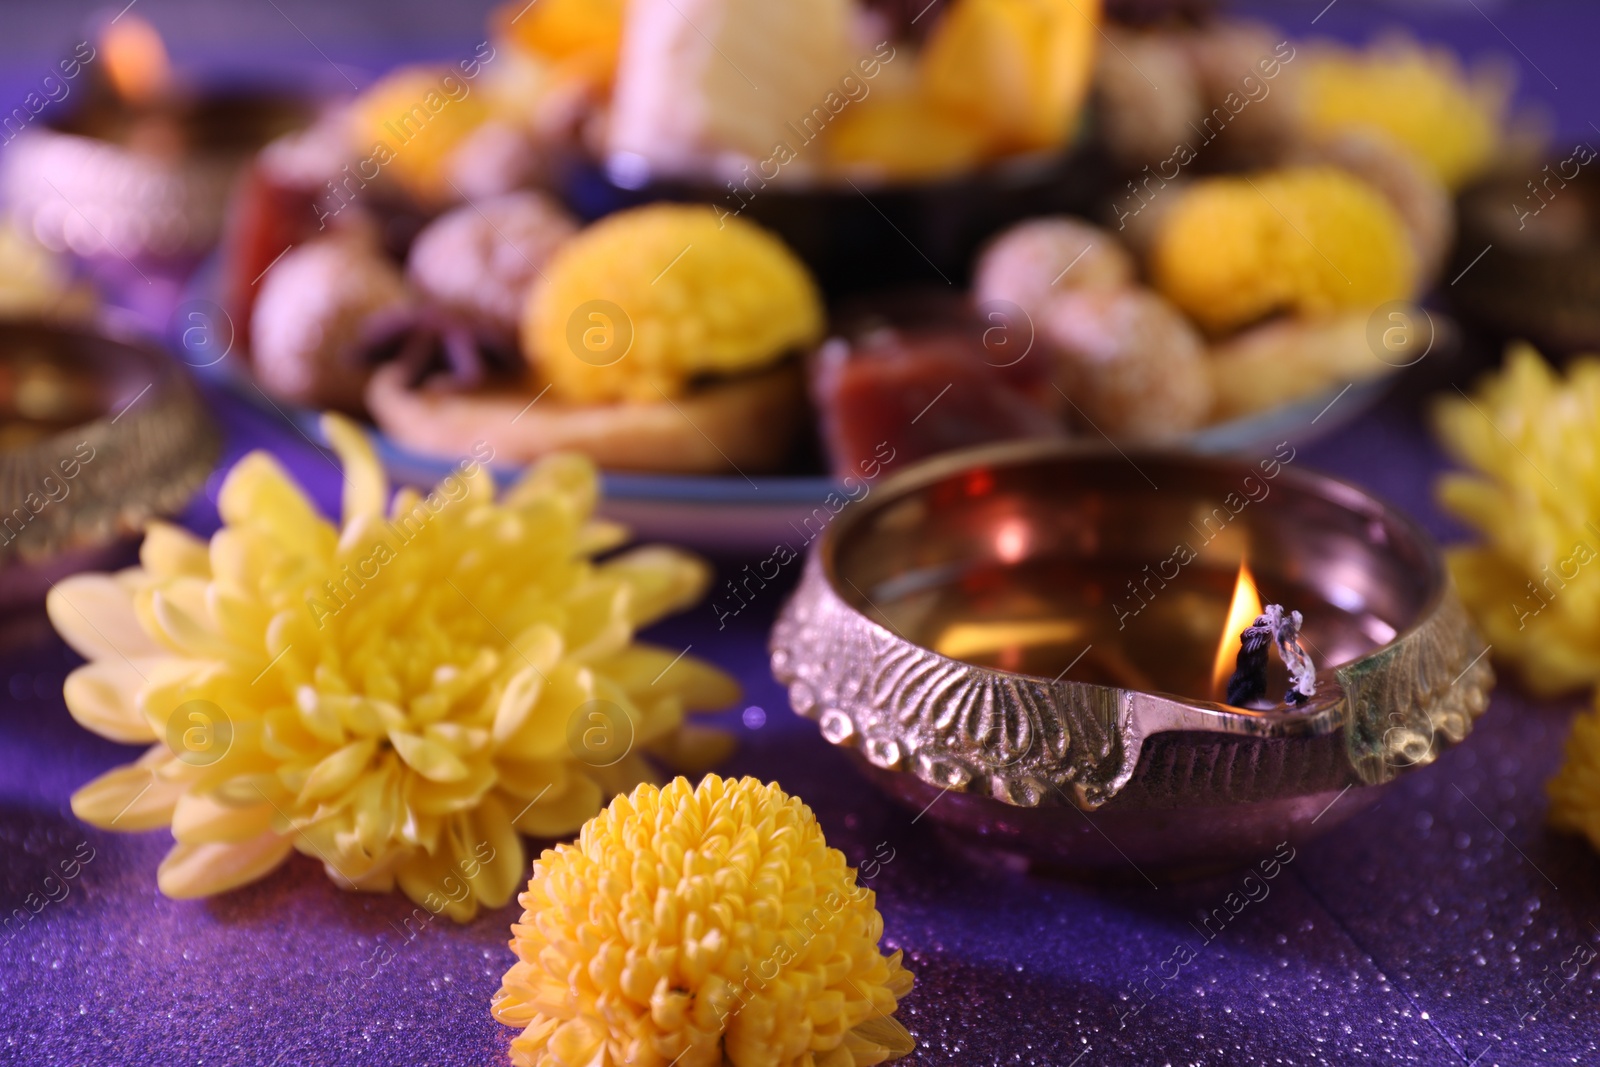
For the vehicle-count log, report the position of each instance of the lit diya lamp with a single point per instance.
(1009, 632)
(98, 435)
(134, 174)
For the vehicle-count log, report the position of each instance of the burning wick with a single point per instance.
(1249, 681)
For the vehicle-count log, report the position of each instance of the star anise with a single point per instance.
(431, 342)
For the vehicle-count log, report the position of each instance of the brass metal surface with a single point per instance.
(951, 547)
(97, 436)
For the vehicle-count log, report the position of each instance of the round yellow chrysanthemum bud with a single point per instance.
(409, 123)
(1309, 240)
(1419, 97)
(642, 302)
(699, 926)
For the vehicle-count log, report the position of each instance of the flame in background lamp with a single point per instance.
(135, 59)
(1242, 611)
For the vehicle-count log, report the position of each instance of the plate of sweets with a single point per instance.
(750, 259)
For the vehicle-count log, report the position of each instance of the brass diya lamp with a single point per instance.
(98, 435)
(1030, 644)
(132, 166)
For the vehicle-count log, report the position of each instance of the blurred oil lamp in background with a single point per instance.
(130, 169)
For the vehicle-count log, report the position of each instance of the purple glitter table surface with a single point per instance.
(1417, 933)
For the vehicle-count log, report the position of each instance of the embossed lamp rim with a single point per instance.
(1429, 678)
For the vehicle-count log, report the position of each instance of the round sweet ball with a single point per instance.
(649, 302)
(480, 260)
(1130, 362)
(1036, 260)
(308, 320)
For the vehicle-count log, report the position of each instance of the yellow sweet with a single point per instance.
(637, 305)
(580, 38)
(1531, 440)
(1418, 96)
(905, 138)
(1311, 240)
(397, 697)
(699, 927)
(408, 124)
(1018, 69)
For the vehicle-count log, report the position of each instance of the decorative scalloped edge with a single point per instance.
(971, 729)
(952, 724)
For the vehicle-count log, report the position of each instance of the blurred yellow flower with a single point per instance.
(1575, 790)
(1532, 442)
(1418, 96)
(396, 697)
(1308, 240)
(644, 300)
(701, 926)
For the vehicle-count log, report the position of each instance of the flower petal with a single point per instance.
(517, 702)
(429, 759)
(434, 883)
(170, 551)
(104, 697)
(258, 494)
(94, 614)
(641, 668)
(561, 815)
(566, 476)
(692, 749)
(542, 734)
(179, 608)
(338, 772)
(366, 489)
(191, 871)
(134, 797)
(496, 851)
(663, 580)
(203, 820)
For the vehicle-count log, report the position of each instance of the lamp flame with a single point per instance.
(1246, 605)
(136, 60)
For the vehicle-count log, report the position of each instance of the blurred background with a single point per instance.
(246, 37)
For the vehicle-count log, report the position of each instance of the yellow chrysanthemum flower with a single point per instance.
(1418, 96)
(1532, 440)
(645, 300)
(1308, 240)
(396, 697)
(1575, 790)
(701, 926)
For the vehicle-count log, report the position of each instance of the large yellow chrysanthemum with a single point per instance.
(1307, 240)
(1532, 440)
(397, 697)
(701, 926)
